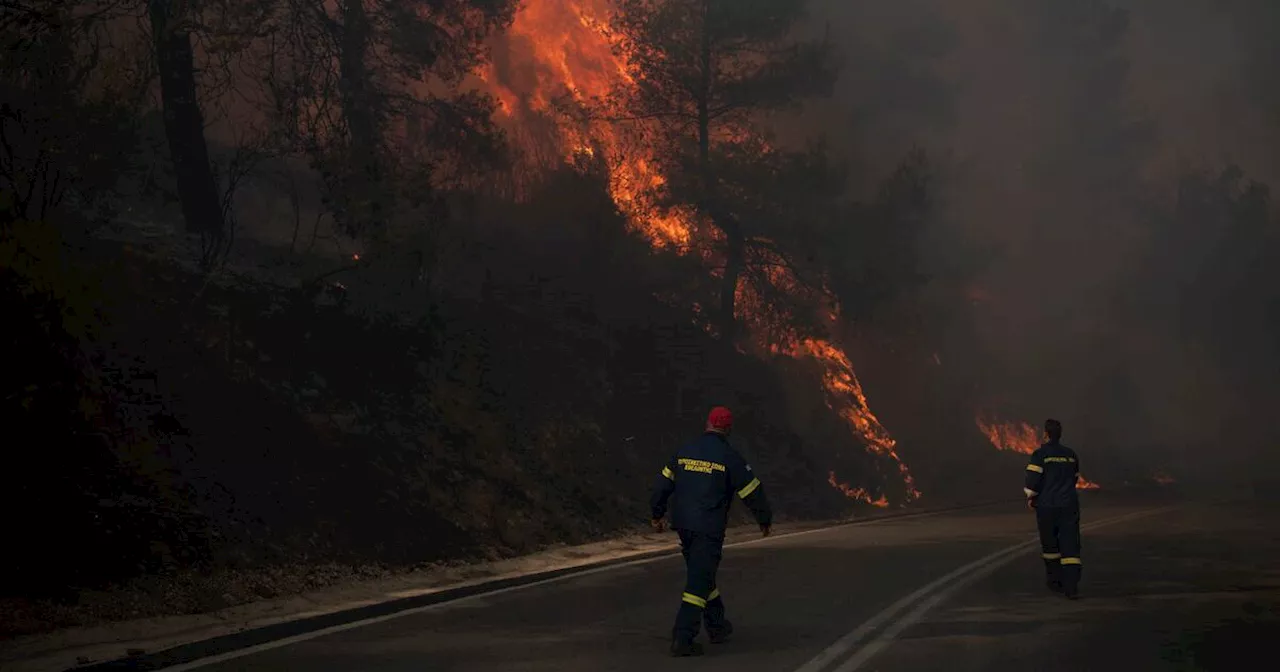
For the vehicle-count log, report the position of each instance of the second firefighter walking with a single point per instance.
(1052, 472)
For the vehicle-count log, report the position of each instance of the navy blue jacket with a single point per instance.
(1051, 477)
(704, 476)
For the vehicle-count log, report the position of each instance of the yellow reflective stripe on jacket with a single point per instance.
(715, 594)
(1071, 561)
(1036, 468)
(694, 600)
(749, 488)
(1051, 556)
(666, 471)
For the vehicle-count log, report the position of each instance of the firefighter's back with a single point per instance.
(702, 487)
(1061, 470)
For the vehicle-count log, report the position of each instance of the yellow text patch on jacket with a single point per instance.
(700, 466)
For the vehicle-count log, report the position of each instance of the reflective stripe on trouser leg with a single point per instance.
(1068, 534)
(702, 559)
(1071, 569)
(699, 602)
(1045, 527)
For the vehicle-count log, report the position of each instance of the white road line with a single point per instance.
(279, 643)
(962, 578)
(845, 644)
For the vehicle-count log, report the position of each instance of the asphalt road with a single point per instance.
(1194, 587)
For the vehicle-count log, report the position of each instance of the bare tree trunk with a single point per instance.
(184, 122)
(734, 263)
(359, 109)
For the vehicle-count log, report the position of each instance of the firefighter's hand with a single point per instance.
(1031, 503)
(766, 530)
(659, 525)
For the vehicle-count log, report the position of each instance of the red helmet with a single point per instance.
(720, 418)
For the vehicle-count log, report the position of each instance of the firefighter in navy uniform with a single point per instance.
(704, 476)
(1051, 491)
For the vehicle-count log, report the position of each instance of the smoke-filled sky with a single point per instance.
(1060, 125)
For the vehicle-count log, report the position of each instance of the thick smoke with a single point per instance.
(1065, 133)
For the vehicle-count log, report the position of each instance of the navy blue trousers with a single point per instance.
(1060, 545)
(701, 600)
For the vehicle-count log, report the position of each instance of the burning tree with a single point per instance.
(703, 72)
(689, 161)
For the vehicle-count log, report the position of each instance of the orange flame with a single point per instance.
(560, 51)
(859, 494)
(565, 54)
(1017, 437)
(1020, 437)
(844, 388)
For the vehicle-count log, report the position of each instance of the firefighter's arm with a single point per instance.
(663, 486)
(1035, 476)
(748, 487)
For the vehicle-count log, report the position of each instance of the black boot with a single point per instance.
(685, 649)
(1053, 575)
(722, 634)
(1071, 581)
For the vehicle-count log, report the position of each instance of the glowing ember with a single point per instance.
(1020, 437)
(859, 494)
(558, 54)
(1163, 479)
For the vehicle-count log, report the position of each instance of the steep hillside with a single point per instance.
(180, 423)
